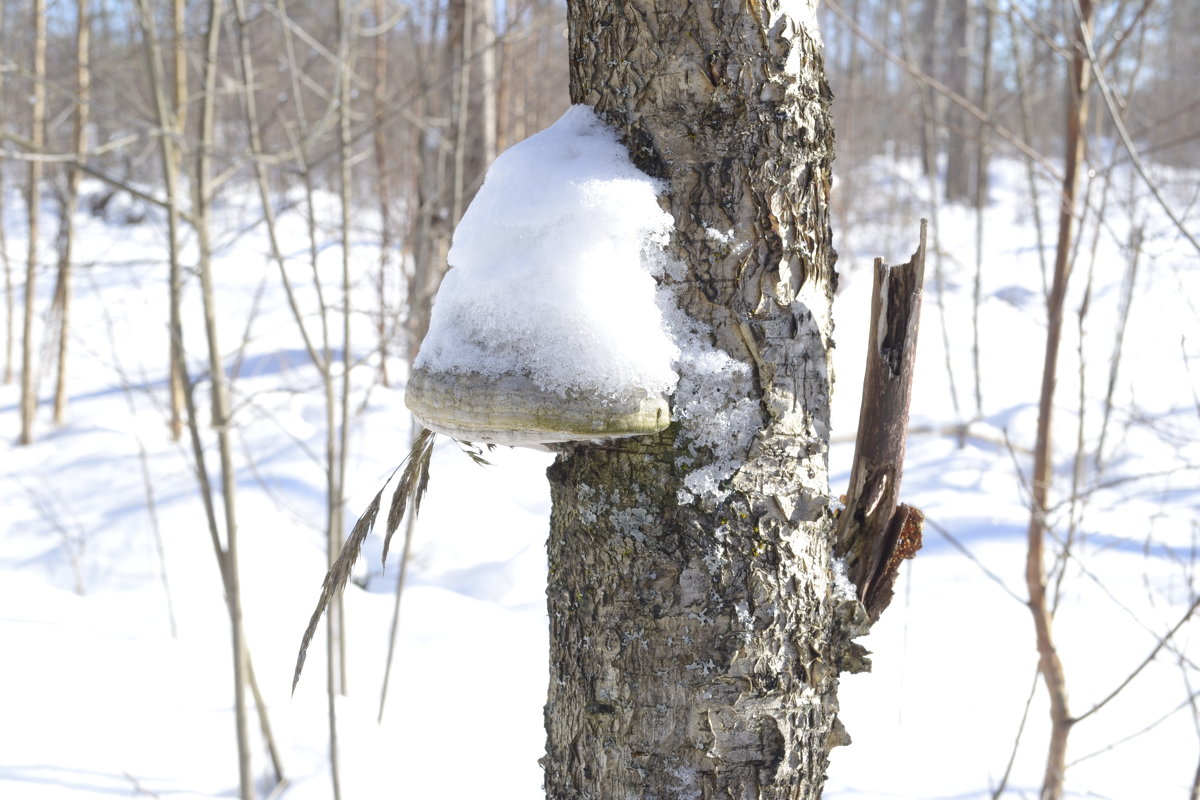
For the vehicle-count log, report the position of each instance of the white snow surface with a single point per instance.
(552, 270)
(98, 699)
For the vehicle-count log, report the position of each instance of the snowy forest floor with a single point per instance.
(99, 698)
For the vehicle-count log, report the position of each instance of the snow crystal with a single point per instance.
(712, 402)
(843, 587)
(553, 270)
(725, 237)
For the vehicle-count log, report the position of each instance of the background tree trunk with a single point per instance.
(62, 291)
(958, 128)
(696, 638)
(37, 139)
(202, 206)
(1049, 664)
(10, 310)
(930, 20)
(382, 185)
(172, 155)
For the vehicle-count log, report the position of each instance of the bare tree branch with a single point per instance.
(1145, 662)
(1123, 133)
(939, 87)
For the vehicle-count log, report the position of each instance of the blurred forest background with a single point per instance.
(399, 108)
(353, 134)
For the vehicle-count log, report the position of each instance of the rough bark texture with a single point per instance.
(695, 646)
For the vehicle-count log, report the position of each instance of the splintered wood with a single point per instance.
(875, 531)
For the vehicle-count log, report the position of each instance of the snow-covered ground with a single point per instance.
(99, 699)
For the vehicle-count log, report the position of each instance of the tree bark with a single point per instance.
(697, 634)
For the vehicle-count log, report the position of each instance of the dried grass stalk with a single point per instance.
(414, 480)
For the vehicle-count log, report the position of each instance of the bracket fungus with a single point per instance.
(548, 326)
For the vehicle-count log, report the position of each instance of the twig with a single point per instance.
(127, 388)
(962, 548)
(137, 786)
(1114, 362)
(1026, 130)
(1111, 106)
(929, 158)
(1195, 793)
(48, 508)
(962, 431)
(942, 89)
(1012, 756)
(401, 577)
(1145, 662)
(281, 786)
(1190, 700)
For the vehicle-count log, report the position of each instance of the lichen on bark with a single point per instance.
(695, 646)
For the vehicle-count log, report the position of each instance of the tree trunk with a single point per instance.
(1049, 663)
(169, 118)
(37, 137)
(62, 299)
(10, 310)
(484, 150)
(221, 410)
(931, 23)
(337, 413)
(462, 29)
(981, 194)
(697, 630)
(172, 155)
(958, 129)
(383, 186)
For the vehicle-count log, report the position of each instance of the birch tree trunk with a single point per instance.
(697, 634)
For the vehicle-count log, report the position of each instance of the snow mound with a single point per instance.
(552, 275)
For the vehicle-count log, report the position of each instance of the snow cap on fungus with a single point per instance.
(546, 328)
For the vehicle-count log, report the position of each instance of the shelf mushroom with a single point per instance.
(547, 328)
(513, 410)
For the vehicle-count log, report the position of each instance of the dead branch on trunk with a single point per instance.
(875, 531)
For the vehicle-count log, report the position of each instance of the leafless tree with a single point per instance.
(1035, 571)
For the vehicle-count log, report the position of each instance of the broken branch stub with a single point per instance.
(875, 533)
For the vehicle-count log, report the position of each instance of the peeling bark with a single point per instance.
(695, 646)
